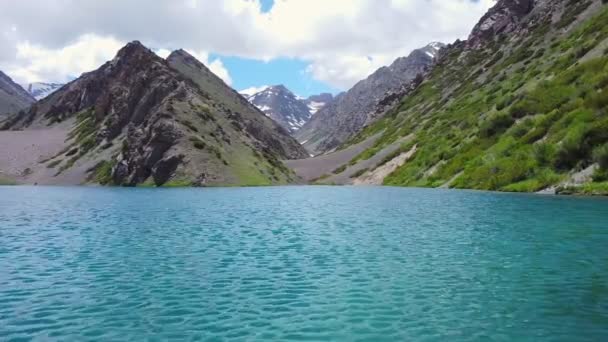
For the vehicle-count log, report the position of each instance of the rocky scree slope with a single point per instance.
(143, 120)
(12, 97)
(522, 105)
(349, 112)
(281, 105)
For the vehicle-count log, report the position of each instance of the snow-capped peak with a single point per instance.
(283, 106)
(433, 48)
(40, 90)
(248, 92)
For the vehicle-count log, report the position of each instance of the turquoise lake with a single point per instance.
(301, 263)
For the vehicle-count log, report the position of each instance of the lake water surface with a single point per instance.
(301, 263)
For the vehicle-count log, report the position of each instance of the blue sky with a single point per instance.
(266, 5)
(290, 72)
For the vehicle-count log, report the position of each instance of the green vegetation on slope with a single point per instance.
(516, 116)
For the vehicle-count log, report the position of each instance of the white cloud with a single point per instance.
(216, 66)
(253, 90)
(35, 63)
(334, 36)
(162, 53)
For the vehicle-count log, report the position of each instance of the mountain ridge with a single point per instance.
(349, 112)
(12, 96)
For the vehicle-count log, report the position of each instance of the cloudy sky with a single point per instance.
(309, 45)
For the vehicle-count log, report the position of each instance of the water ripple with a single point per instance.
(300, 264)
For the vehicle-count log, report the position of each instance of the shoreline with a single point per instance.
(537, 193)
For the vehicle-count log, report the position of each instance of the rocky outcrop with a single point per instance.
(504, 17)
(12, 97)
(349, 112)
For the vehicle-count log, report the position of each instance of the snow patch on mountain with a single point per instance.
(248, 92)
(40, 90)
(283, 106)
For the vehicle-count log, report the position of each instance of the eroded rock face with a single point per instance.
(504, 17)
(144, 150)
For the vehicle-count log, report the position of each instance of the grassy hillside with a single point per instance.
(523, 114)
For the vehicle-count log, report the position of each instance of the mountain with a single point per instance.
(284, 107)
(143, 120)
(349, 112)
(12, 96)
(40, 90)
(316, 102)
(281, 105)
(521, 105)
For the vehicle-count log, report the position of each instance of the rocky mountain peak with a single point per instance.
(185, 56)
(132, 49)
(283, 106)
(281, 88)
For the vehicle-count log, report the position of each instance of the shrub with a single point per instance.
(103, 172)
(572, 149)
(504, 102)
(522, 128)
(190, 125)
(495, 124)
(543, 153)
(54, 163)
(598, 100)
(600, 175)
(198, 143)
(339, 170)
(600, 156)
(359, 173)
